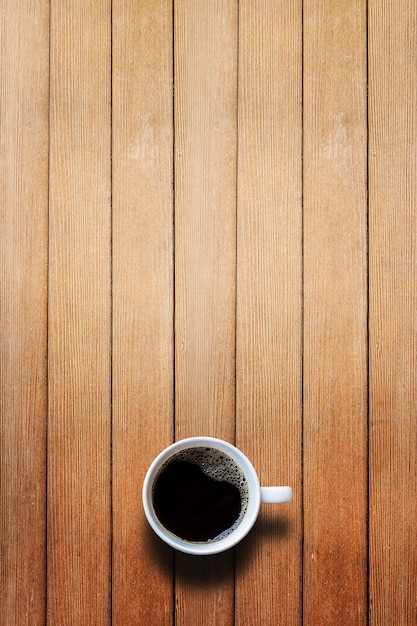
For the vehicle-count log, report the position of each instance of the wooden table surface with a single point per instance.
(208, 227)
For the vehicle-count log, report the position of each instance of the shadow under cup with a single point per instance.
(201, 495)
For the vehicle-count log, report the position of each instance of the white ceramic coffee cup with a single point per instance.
(257, 494)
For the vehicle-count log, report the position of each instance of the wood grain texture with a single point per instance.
(205, 216)
(24, 107)
(392, 314)
(335, 313)
(143, 409)
(202, 269)
(269, 291)
(79, 315)
(205, 74)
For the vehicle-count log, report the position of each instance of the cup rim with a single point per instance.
(244, 526)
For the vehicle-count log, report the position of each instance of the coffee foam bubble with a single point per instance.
(219, 466)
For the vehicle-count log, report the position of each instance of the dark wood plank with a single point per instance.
(79, 427)
(269, 321)
(205, 39)
(392, 311)
(24, 88)
(143, 413)
(335, 313)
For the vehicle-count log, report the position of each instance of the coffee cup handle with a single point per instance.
(276, 495)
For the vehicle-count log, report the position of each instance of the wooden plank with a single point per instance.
(269, 323)
(143, 413)
(79, 430)
(205, 45)
(335, 313)
(24, 88)
(392, 311)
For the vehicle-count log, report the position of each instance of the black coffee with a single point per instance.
(200, 494)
